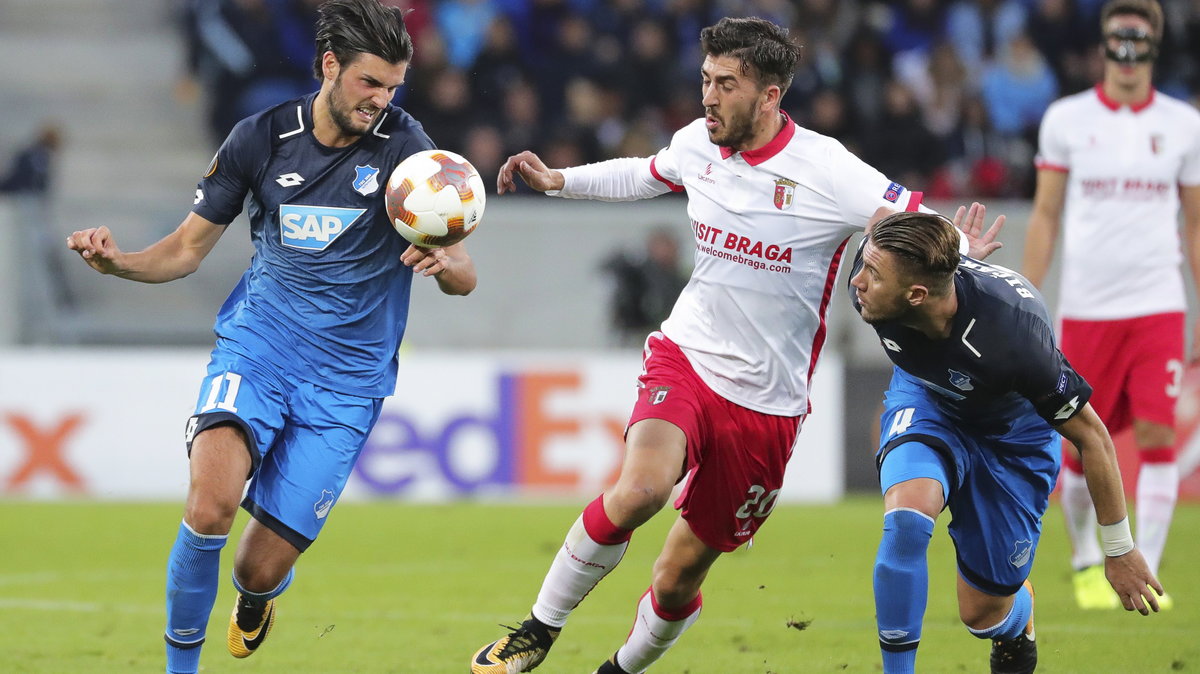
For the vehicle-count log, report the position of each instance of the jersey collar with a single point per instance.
(1114, 106)
(760, 155)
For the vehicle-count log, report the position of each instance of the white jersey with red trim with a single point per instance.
(1125, 164)
(770, 227)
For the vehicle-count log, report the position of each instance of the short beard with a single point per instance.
(737, 133)
(340, 119)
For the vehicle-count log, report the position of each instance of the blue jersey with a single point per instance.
(326, 297)
(1000, 361)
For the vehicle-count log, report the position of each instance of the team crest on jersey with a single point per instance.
(366, 180)
(314, 227)
(961, 381)
(785, 190)
(893, 192)
(657, 394)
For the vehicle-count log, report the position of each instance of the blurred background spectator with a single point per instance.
(944, 95)
(645, 285)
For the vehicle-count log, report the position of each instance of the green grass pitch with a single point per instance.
(417, 588)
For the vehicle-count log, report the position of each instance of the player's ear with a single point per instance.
(917, 295)
(330, 66)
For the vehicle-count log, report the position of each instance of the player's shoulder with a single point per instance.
(401, 129)
(1000, 292)
(1074, 105)
(1182, 111)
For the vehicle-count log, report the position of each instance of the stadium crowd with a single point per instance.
(944, 95)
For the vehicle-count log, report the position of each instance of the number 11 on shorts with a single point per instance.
(230, 382)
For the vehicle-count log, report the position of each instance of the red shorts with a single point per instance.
(735, 456)
(1134, 365)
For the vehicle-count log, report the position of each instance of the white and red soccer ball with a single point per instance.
(435, 198)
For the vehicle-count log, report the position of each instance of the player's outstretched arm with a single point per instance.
(970, 222)
(1124, 566)
(532, 170)
(174, 256)
(451, 266)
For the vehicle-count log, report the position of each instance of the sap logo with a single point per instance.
(314, 227)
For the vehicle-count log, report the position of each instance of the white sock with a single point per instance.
(1081, 520)
(580, 564)
(1157, 491)
(653, 633)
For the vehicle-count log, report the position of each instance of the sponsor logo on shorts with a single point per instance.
(323, 505)
(657, 394)
(1022, 553)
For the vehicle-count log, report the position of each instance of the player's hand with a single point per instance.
(1130, 577)
(531, 169)
(97, 248)
(425, 261)
(982, 244)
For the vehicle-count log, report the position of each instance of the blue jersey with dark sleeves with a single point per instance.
(1000, 360)
(326, 297)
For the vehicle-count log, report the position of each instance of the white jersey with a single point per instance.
(1125, 164)
(770, 227)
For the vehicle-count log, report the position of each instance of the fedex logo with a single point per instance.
(314, 227)
(532, 438)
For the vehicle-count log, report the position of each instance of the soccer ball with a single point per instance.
(435, 198)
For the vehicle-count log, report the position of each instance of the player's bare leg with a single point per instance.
(1007, 621)
(1157, 491)
(262, 570)
(220, 461)
(655, 455)
(671, 604)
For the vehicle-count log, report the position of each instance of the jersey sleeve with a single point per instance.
(222, 191)
(1052, 147)
(859, 189)
(1046, 379)
(623, 179)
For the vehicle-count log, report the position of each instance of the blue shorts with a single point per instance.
(998, 486)
(304, 440)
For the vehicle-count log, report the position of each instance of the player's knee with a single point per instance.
(1152, 436)
(981, 616)
(210, 515)
(906, 536)
(631, 503)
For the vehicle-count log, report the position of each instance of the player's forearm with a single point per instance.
(164, 261)
(458, 278)
(623, 179)
(1039, 248)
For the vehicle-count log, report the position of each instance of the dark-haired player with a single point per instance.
(971, 420)
(306, 342)
(1115, 164)
(724, 386)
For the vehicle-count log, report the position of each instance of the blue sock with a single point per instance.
(192, 571)
(1014, 623)
(263, 597)
(901, 587)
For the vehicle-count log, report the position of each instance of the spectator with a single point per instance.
(1018, 89)
(980, 29)
(645, 286)
(43, 292)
